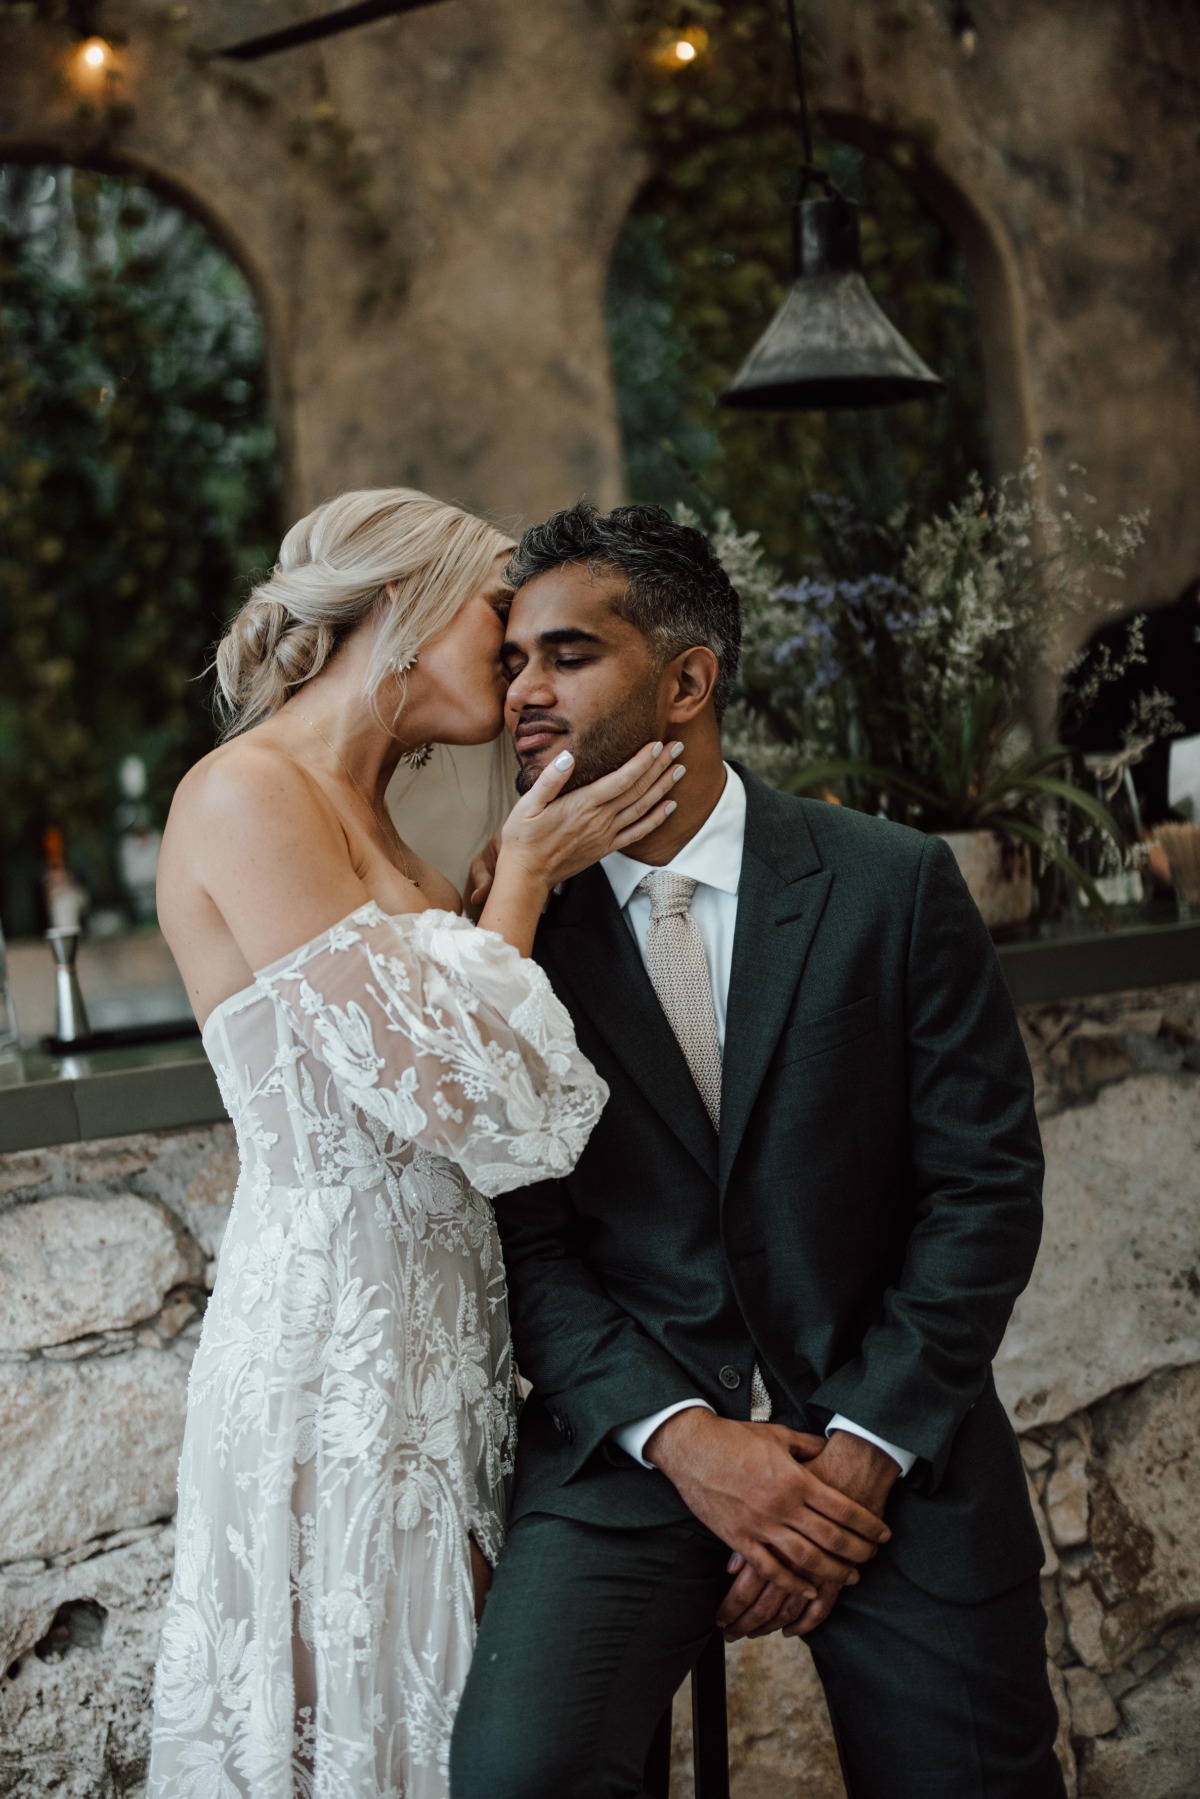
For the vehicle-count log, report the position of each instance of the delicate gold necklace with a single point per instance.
(405, 869)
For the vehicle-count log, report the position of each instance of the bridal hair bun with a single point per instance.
(265, 654)
(390, 554)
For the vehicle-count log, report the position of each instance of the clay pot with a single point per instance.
(998, 872)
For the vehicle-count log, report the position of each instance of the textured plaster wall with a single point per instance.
(426, 208)
(107, 1254)
(1060, 152)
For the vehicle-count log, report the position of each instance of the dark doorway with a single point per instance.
(138, 488)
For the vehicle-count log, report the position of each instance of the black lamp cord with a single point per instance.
(809, 171)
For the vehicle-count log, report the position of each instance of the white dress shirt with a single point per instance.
(713, 859)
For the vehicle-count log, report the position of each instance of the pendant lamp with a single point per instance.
(830, 344)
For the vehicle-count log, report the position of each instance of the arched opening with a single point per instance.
(990, 281)
(139, 488)
(702, 264)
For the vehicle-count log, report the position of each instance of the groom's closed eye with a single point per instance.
(569, 638)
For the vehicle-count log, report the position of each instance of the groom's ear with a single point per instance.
(690, 680)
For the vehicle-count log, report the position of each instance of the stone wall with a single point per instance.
(106, 1257)
(106, 1260)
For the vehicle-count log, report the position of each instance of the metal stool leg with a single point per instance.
(658, 1762)
(710, 1730)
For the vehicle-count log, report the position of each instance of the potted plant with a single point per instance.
(901, 673)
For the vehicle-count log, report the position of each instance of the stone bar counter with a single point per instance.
(116, 1176)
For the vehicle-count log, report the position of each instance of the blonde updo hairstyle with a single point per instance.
(333, 571)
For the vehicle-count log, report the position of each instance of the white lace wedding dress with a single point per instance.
(350, 1413)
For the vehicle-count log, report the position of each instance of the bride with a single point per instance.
(389, 1068)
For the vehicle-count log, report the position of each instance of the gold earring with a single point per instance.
(418, 757)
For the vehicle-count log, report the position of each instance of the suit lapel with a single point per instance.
(781, 897)
(589, 950)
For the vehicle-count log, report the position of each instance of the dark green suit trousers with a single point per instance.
(588, 1632)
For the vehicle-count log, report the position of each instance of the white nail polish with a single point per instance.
(669, 807)
(657, 751)
(565, 760)
(679, 774)
(677, 750)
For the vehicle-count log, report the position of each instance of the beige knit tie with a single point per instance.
(678, 970)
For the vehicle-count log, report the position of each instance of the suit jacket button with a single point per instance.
(730, 1378)
(559, 1426)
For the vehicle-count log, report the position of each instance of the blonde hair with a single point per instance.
(333, 569)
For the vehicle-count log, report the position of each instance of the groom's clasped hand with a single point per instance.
(797, 1539)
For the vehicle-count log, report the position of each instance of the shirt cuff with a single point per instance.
(904, 1458)
(633, 1438)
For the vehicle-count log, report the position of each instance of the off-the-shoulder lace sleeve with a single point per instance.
(447, 1037)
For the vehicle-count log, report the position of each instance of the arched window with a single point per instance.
(701, 266)
(138, 489)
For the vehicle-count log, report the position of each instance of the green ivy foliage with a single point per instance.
(138, 488)
(705, 261)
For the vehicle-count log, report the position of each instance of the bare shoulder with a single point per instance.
(253, 856)
(245, 809)
(245, 784)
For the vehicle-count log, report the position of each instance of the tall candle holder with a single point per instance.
(70, 1013)
(10, 1037)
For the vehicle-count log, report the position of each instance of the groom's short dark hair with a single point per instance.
(677, 593)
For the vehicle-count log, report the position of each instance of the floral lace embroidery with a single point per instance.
(351, 1408)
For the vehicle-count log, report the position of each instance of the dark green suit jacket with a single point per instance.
(861, 1228)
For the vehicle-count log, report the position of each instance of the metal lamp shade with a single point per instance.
(829, 345)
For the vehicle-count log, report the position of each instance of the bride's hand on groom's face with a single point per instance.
(551, 835)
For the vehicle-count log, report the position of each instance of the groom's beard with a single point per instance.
(605, 745)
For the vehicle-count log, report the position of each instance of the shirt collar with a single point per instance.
(713, 857)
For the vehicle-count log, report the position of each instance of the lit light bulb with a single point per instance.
(96, 53)
(674, 53)
(964, 28)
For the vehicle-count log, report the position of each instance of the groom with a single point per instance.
(759, 1315)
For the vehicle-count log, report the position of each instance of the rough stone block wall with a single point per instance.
(107, 1253)
(106, 1257)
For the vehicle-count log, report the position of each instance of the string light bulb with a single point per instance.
(965, 30)
(94, 69)
(682, 48)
